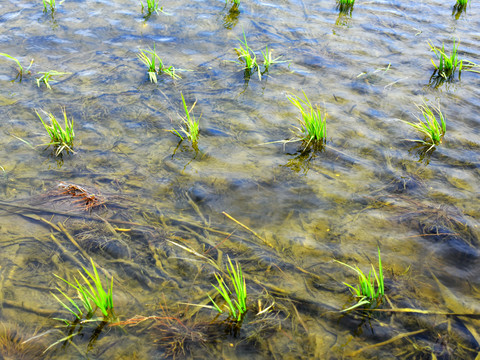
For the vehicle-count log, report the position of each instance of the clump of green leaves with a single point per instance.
(268, 60)
(246, 54)
(234, 2)
(345, 6)
(47, 76)
(313, 122)
(60, 138)
(369, 288)
(248, 57)
(150, 58)
(49, 4)
(152, 6)
(429, 125)
(447, 63)
(91, 294)
(236, 300)
(21, 71)
(190, 129)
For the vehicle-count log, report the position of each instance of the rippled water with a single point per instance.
(301, 210)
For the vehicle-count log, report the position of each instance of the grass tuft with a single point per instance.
(49, 4)
(247, 55)
(369, 288)
(47, 76)
(313, 123)
(92, 296)
(447, 63)
(152, 6)
(21, 71)
(429, 126)
(150, 58)
(60, 138)
(268, 60)
(237, 306)
(190, 130)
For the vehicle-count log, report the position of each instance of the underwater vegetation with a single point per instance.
(60, 138)
(370, 288)
(16, 344)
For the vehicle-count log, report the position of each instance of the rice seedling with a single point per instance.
(21, 71)
(345, 6)
(369, 288)
(92, 296)
(150, 58)
(152, 6)
(459, 8)
(190, 130)
(236, 307)
(49, 4)
(268, 60)
(47, 76)
(429, 126)
(247, 55)
(313, 123)
(447, 64)
(59, 137)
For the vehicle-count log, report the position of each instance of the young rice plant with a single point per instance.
(369, 288)
(21, 71)
(313, 123)
(49, 4)
(150, 58)
(246, 54)
(237, 306)
(429, 126)
(92, 296)
(47, 76)
(190, 130)
(60, 138)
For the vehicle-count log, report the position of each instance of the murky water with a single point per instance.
(300, 210)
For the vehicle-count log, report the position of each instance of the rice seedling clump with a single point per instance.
(313, 122)
(236, 306)
(60, 138)
(190, 129)
(370, 289)
(429, 125)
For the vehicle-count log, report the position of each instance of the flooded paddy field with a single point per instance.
(166, 218)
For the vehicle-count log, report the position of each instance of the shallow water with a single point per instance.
(369, 187)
